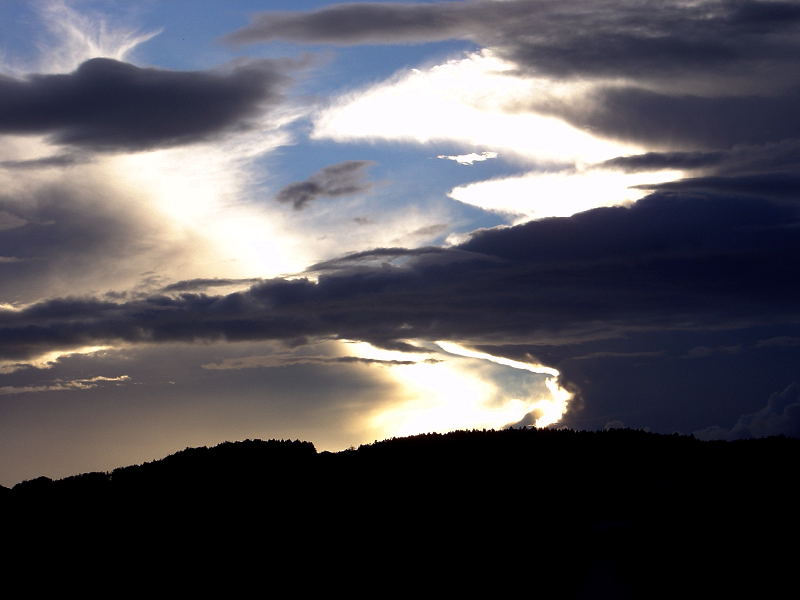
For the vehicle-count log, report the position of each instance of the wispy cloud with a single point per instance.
(59, 385)
(342, 179)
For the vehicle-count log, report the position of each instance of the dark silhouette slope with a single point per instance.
(622, 514)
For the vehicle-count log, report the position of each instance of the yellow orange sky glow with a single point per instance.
(451, 390)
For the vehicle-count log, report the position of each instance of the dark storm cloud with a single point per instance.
(652, 161)
(740, 161)
(780, 416)
(110, 105)
(58, 160)
(597, 38)
(616, 298)
(356, 24)
(692, 260)
(778, 185)
(385, 255)
(191, 285)
(686, 121)
(342, 179)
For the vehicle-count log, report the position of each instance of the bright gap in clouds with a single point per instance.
(460, 389)
(560, 193)
(469, 101)
(202, 189)
(481, 102)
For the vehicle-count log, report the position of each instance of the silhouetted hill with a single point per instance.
(624, 513)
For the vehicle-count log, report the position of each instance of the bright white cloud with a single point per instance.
(481, 101)
(473, 102)
(558, 193)
(205, 191)
(459, 390)
(79, 36)
(469, 159)
(548, 410)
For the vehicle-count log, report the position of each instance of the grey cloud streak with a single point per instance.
(598, 38)
(111, 105)
(342, 179)
(360, 23)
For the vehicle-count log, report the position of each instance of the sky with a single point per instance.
(347, 222)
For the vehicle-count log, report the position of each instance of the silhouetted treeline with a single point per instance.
(621, 513)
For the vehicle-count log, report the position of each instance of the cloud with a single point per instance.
(685, 120)
(671, 42)
(614, 298)
(355, 24)
(668, 260)
(190, 285)
(83, 231)
(69, 37)
(651, 161)
(10, 221)
(782, 340)
(342, 179)
(780, 416)
(776, 184)
(478, 102)
(271, 361)
(110, 105)
(429, 230)
(718, 75)
(471, 158)
(557, 193)
(57, 160)
(86, 383)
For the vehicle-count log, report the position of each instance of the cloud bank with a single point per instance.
(110, 105)
(677, 270)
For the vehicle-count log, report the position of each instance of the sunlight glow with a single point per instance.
(478, 101)
(560, 193)
(549, 411)
(47, 360)
(459, 391)
(200, 189)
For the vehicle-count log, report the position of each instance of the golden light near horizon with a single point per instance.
(549, 411)
(48, 359)
(446, 392)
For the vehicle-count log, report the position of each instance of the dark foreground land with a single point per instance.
(544, 513)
